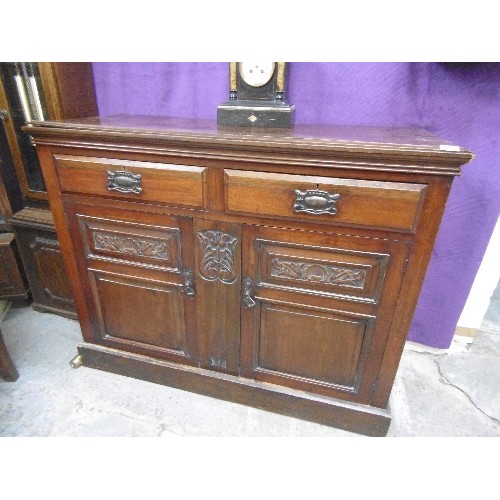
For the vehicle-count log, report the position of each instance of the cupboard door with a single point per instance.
(137, 280)
(317, 308)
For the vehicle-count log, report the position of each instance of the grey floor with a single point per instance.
(436, 393)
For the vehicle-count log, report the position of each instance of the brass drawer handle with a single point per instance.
(315, 202)
(124, 182)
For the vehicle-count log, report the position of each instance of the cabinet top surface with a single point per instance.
(323, 139)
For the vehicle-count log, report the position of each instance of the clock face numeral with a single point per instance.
(256, 74)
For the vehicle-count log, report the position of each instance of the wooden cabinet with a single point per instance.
(43, 263)
(38, 91)
(278, 269)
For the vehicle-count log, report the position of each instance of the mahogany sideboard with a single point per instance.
(274, 268)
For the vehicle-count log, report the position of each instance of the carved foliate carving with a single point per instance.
(130, 245)
(217, 256)
(318, 273)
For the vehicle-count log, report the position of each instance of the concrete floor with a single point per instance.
(436, 393)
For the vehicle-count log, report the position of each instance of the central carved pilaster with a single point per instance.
(217, 256)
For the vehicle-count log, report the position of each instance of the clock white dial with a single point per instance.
(256, 74)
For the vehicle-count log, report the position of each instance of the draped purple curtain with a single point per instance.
(458, 102)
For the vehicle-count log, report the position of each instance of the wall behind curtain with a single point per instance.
(458, 102)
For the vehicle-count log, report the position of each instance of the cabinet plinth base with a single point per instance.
(345, 415)
(54, 310)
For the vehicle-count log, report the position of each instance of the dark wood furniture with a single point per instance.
(275, 268)
(8, 371)
(12, 278)
(13, 283)
(65, 90)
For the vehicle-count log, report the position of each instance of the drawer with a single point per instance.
(182, 185)
(364, 203)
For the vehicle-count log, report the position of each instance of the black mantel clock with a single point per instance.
(257, 96)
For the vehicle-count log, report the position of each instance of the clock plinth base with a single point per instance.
(255, 114)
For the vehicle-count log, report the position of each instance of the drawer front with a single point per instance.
(182, 185)
(324, 199)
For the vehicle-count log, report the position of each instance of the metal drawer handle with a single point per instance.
(315, 202)
(124, 182)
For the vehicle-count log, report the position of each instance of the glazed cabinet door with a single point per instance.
(136, 276)
(316, 308)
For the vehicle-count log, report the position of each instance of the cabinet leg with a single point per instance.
(76, 362)
(7, 369)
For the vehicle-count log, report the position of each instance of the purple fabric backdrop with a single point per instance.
(458, 102)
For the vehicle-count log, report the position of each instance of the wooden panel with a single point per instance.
(165, 183)
(139, 311)
(69, 89)
(304, 334)
(417, 265)
(341, 273)
(143, 244)
(346, 415)
(218, 281)
(377, 149)
(51, 272)
(43, 262)
(7, 368)
(12, 145)
(136, 290)
(11, 197)
(311, 347)
(11, 281)
(364, 203)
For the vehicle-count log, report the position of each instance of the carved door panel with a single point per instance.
(138, 280)
(317, 308)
